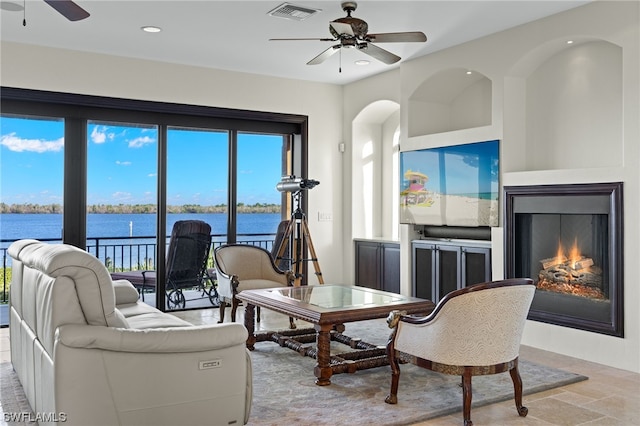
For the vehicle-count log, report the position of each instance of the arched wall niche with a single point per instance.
(374, 132)
(570, 97)
(452, 99)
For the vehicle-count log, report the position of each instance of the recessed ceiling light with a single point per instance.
(362, 62)
(469, 72)
(11, 6)
(151, 29)
(569, 41)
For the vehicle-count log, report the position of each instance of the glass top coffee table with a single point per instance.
(328, 308)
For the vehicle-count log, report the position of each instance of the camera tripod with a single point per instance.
(296, 236)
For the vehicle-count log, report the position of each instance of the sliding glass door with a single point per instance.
(31, 185)
(125, 171)
(122, 197)
(261, 163)
(197, 182)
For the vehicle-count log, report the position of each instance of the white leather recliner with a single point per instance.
(87, 350)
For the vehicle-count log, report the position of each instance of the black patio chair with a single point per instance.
(187, 259)
(186, 266)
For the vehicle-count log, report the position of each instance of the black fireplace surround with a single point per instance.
(569, 240)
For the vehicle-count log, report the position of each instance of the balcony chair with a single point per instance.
(245, 267)
(186, 265)
(472, 331)
(284, 262)
(187, 259)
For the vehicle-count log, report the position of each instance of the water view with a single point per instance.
(49, 226)
(127, 241)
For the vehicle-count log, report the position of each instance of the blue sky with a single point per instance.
(122, 164)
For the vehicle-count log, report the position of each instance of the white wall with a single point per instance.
(372, 101)
(543, 99)
(25, 66)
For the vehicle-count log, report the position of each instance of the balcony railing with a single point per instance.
(125, 253)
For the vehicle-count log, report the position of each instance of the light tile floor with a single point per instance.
(610, 397)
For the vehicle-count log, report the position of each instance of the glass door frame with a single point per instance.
(78, 109)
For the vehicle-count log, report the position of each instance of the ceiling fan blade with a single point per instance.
(68, 9)
(406, 37)
(302, 39)
(324, 55)
(342, 28)
(379, 53)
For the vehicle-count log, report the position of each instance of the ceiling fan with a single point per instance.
(68, 9)
(352, 32)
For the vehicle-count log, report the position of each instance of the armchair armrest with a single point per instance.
(227, 284)
(157, 340)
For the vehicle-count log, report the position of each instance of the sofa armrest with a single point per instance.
(125, 292)
(157, 340)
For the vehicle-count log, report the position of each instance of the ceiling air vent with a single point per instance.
(291, 11)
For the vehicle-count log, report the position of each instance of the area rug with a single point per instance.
(13, 400)
(284, 392)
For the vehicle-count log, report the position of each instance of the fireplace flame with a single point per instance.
(574, 254)
(560, 255)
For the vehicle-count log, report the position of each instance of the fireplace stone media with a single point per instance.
(568, 239)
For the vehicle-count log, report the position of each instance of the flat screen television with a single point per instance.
(451, 186)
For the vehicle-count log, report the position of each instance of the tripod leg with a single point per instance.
(284, 243)
(314, 258)
(297, 257)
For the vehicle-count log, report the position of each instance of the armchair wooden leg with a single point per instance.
(292, 325)
(223, 304)
(258, 313)
(517, 390)
(392, 398)
(234, 308)
(466, 397)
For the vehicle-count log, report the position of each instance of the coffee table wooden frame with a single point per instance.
(328, 325)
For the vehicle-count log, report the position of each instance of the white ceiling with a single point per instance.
(234, 35)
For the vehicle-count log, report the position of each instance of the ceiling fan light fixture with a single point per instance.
(293, 12)
(151, 29)
(362, 62)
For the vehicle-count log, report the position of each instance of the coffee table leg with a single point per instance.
(323, 370)
(249, 323)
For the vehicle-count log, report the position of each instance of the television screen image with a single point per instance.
(453, 185)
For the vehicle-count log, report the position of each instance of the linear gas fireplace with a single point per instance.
(568, 238)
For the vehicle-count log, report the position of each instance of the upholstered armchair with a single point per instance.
(244, 267)
(472, 331)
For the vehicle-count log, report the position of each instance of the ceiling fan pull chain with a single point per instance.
(340, 59)
(24, 13)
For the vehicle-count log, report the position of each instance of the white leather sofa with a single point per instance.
(88, 352)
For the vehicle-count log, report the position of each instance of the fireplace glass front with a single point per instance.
(568, 239)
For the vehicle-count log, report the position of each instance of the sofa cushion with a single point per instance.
(123, 323)
(133, 309)
(156, 319)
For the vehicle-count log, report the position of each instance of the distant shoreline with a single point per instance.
(137, 208)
